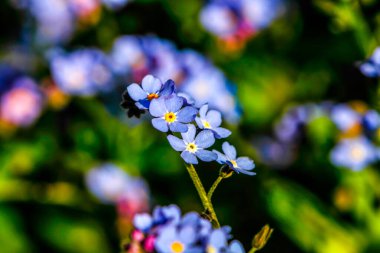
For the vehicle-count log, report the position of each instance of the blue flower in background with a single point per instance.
(169, 114)
(217, 242)
(143, 221)
(151, 88)
(174, 240)
(193, 147)
(371, 67)
(241, 164)
(83, 72)
(167, 214)
(344, 116)
(355, 154)
(236, 247)
(212, 120)
(115, 4)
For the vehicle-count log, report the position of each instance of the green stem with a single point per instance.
(213, 187)
(202, 193)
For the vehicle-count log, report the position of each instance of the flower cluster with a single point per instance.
(111, 185)
(371, 67)
(172, 112)
(234, 22)
(165, 231)
(21, 100)
(56, 19)
(358, 132)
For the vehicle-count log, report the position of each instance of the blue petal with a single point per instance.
(205, 139)
(167, 235)
(187, 114)
(176, 143)
(168, 88)
(151, 84)
(142, 221)
(173, 103)
(157, 107)
(136, 92)
(199, 122)
(160, 124)
(221, 132)
(202, 111)
(229, 150)
(369, 69)
(178, 127)
(189, 157)
(143, 104)
(218, 239)
(221, 157)
(236, 247)
(250, 173)
(187, 235)
(245, 163)
(189, 136)
(206, 155)
(214, 118)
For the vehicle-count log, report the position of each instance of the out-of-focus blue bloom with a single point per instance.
(371, 120)
(151, 88)
(83, 72)
(355, 153)
(241, 164)
(115, 4)
(371, 67)
(212, 120)
(143, 221)
(169, 114)
(344, 116)
(219, 19)
(260, 13)
(217, 242)
(193, 146)
(236, 247)
(177, 240)
(167, 214)
(21, 100)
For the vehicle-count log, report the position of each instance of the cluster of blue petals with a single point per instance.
(166, 231)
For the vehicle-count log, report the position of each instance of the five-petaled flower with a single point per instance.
(194, 146)
(212, 120)
(150, 89)
(241, 164)
(173, 240)
(169, 114)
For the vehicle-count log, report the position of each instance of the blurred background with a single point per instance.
(296, 82)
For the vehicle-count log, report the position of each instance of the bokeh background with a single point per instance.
(289, 77)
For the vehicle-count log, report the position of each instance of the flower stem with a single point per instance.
(206, 202)
(213, 187)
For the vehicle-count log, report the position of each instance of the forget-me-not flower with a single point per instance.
(151, 88)
(169, 114)
(173, 240)
(241, 164)
(217, 242)
(211, 120)
(194, 146)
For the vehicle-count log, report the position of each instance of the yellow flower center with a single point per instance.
(152, 96)
(357, 153)
(191, 147)
(206, 124)
(210, 249)
(170, 117)
(234, 163)
(177, 247)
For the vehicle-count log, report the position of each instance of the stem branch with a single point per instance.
(213, 187)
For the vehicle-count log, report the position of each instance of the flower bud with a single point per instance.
(262, 237)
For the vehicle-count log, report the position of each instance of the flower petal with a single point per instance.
(236, 247)
(206, 155)
(189, 157)
(160, 124)
(187, 235)
(199, 122)
(250, 173)
(157, 107)
(187, 114)
(205, 139)
(221, 157)
(214, 118)
(221, 132)
(173, 103)
(218, 239)
(176, 143)
(142, 221)
(245, 163)
(202, 111)
(190, 134)
(151, 84)
(168, 88)
(178, 127)
(136, 92)
(229, 150)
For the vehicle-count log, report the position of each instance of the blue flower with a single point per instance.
(355, 153)
(371, 67)
(241, 164)
(217, 242)
(143, 221)
(236, 247)
(211, 120)
(193, 147)
(169, 114)
(151, 88)
(173, 240)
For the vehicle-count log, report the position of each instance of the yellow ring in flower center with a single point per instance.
(206, 124)
(191, 147)
(152, 96)
(210, 249)
(177, 247)
(234, 163)
(170, 117)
